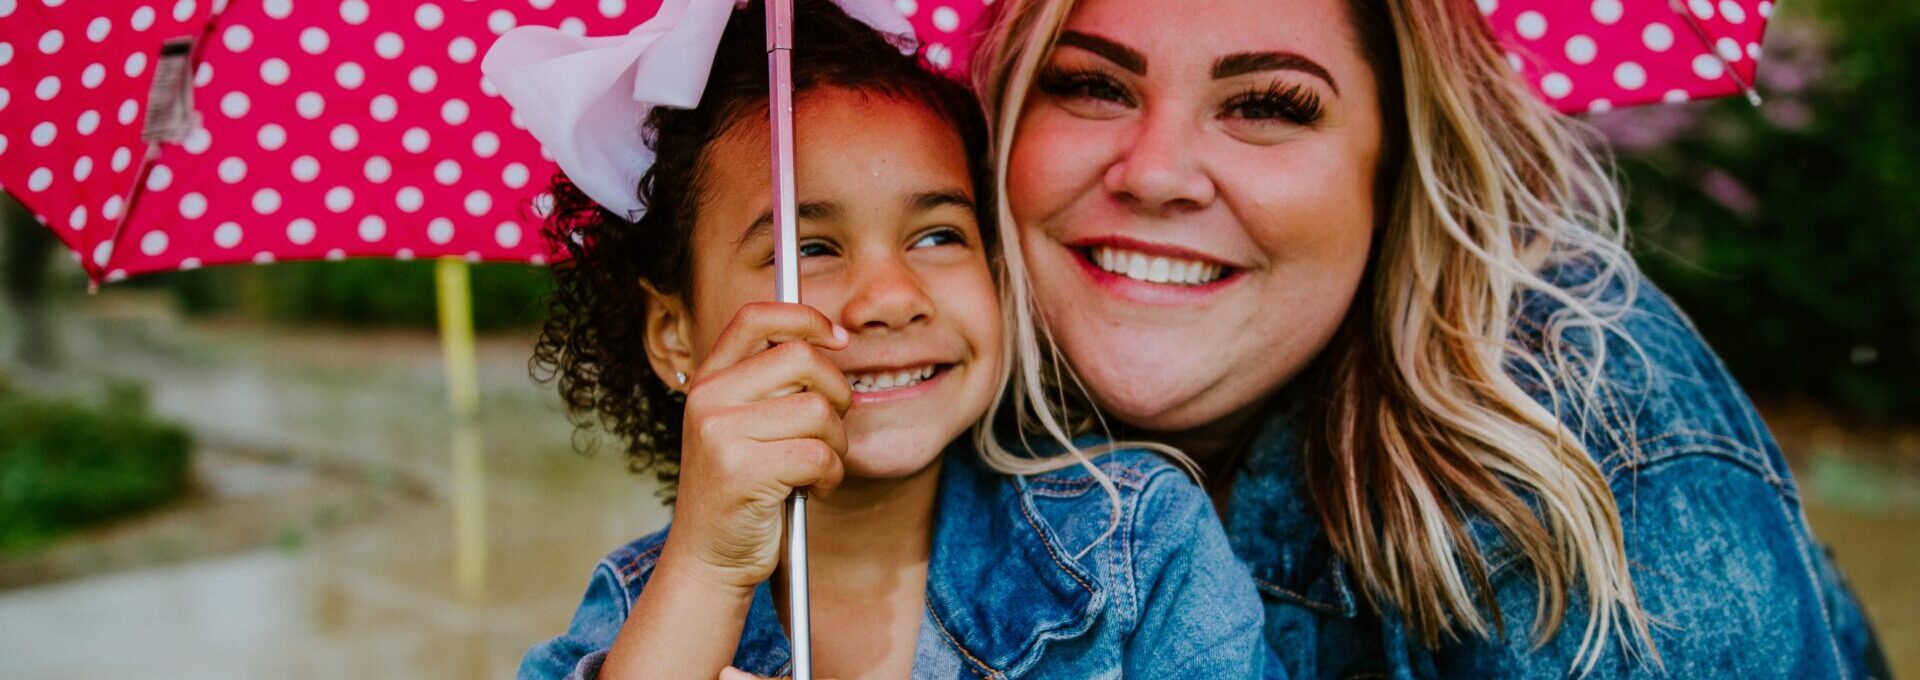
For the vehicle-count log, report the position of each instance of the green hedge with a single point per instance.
(64, 465)
(1791, 232)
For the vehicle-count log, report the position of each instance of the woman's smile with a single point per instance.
(1197, 213)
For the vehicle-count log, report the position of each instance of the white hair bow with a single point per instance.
(585, 98)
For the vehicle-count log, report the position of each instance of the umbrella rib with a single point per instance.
(97, 271)
(1706, 39)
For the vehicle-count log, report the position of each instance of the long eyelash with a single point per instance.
(1293, 101)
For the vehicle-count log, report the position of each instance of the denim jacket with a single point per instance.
(1018, 584)
(1720, 552)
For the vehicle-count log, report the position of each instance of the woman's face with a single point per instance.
(889, 249)
(1192, 184)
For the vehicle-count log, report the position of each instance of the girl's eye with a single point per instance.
(1276, 103)
(1083, 84)
(941, 237)
(815, 249)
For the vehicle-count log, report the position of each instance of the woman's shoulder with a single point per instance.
(1662, 393)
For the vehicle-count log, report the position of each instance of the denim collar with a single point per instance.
(987, 535)
(1271, 521)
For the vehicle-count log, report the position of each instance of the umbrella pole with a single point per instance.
(787, 289)
(455, 299)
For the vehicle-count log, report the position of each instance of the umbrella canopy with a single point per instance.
(1583, 55)
(347, 128)
(318, 128)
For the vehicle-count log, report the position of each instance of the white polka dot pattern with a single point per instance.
(1586, 55)
(331, 128)
(352, 128)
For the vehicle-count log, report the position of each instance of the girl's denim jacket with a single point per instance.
(1718, 548)
(1019, 584)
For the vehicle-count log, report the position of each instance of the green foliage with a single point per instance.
(359, 292)
(64, 465)
(1790, 232)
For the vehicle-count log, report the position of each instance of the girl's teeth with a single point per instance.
(875, 382)
(1140, 267)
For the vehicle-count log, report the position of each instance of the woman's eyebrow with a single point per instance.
(1255, 62)
(1121, 55)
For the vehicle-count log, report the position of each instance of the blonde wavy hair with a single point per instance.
(1482, 189)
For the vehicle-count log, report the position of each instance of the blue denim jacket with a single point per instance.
(1018, 585)
(1720, 552)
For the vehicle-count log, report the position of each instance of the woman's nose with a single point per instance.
(886, 295)
(1159, 172)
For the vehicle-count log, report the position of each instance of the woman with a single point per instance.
(1337, 253)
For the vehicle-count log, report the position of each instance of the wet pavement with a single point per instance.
(320, 540)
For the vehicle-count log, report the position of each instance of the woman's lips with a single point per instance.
(1153, 274)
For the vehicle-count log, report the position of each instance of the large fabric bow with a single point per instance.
(585, 98)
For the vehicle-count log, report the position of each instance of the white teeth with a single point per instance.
(1140, 267)
(876, 382)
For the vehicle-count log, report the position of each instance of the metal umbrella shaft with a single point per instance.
(786, 265)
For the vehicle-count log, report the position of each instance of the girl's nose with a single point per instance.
(886, 295)
(1160, 172)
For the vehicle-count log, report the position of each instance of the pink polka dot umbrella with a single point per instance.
(314, 129)
(155, 135)
(1594, 55)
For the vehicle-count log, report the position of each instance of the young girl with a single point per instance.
(924, 561)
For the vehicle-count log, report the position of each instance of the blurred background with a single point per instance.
(253, 471)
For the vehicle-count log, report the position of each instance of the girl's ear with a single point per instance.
(669, 326)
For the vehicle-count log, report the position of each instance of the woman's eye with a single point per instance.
(1276, 103)
(943, 237)
(1092, 85)
(815, 249)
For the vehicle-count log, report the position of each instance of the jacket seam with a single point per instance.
(1068, 488)
(979, 667)
(625, 571)
(1298, 598)
(1650, 456)
(1027, 514)
(1735, 457)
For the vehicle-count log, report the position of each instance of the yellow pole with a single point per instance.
(463, 392)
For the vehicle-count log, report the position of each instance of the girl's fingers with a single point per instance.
(789, 464)
(731, 673)
(760, 325)
(788, 368)
(807, 415)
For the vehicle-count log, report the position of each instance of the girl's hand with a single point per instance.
(763, 418)
(731, 673)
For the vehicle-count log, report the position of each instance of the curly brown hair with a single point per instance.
(593, 341)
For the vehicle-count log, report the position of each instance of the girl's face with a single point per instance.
(889, 249)
(1192, 183)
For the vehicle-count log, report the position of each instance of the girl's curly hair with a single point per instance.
(593, 342)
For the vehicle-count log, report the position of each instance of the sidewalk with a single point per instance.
(320, 541)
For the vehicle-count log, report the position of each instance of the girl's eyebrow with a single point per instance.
(929, 200)
(810, 210)
(1255, 62)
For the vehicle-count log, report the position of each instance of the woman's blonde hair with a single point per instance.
(1482, 189)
